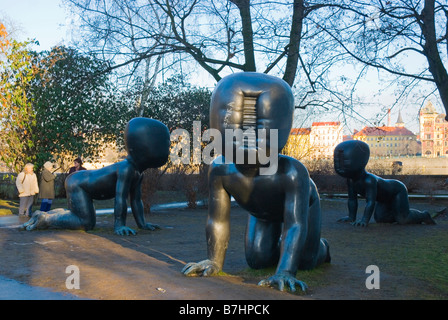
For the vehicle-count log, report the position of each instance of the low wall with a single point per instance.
(416, 165)
(330, 184)
(421, 184)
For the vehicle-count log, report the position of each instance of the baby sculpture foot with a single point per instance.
(428, 218)
(37, 221)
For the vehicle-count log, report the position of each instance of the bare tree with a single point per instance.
(391, 35)
(127, 34)
(311, 44)
(220, 36)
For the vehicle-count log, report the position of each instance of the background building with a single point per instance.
(298, 144)
(317, 142)
(389, 141)
(433, 132)
(324, 137)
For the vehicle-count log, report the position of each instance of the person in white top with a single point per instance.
(27, 186)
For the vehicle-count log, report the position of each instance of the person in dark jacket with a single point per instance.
(77, 166)
(47, 187)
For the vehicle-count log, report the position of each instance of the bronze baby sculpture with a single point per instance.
(284, 222)
(386, 199)
(147, 143)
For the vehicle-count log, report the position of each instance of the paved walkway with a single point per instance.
(13, 290)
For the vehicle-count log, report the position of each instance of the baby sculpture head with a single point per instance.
(253, 112)
(147, 142)
(351, 158)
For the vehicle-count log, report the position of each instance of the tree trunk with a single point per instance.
(248, 35)
(294, 42)
(435, 63)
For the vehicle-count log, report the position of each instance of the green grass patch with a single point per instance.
(257, 273)
(8, 207)
(427, 260)
(313, 278)
(316, 277)
(420, 255)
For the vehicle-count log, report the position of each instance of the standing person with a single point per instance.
(47, 186)
(27, 186)
(77, 166)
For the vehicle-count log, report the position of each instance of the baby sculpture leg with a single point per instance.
(57, 218)
(317, 250)
(403, 214)
(314, 252)
(81, 213)
(262, 243)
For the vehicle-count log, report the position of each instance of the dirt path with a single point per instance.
(147, 266)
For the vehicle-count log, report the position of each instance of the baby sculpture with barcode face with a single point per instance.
(284, 224)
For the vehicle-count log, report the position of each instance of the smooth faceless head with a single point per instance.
(251, 101)
(351, 158)
(147, 142)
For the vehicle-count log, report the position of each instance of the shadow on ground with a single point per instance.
(412, 259)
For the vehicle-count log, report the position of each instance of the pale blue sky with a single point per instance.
(48, 22)
(43, 20)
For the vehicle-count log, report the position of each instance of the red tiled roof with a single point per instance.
(328, 123)
(384, 131)
(297, 131)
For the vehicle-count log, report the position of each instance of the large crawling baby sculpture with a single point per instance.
(284, 207)
(147, 143)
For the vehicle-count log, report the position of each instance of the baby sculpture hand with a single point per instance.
(282, 279)
(202, 268)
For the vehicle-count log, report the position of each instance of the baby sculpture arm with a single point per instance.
(370, 185)
(120, 207)
(125, 187)
(137, 207)
(293, 239)
(217, 231)
(352, 203)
